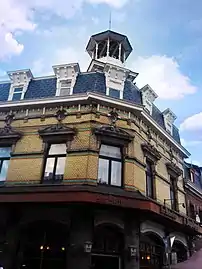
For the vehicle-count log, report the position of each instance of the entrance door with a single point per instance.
(105, 262)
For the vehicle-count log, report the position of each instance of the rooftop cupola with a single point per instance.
(109, 47)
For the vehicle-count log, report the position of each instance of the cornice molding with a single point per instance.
(151, 152)
(173, 169)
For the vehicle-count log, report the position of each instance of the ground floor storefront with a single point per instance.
(82, 236)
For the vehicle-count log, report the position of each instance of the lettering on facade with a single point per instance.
(167, 212)
(109, 200)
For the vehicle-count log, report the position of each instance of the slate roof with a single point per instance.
(198, 181)
(85, 82)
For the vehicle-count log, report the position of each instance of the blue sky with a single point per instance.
(166, 37)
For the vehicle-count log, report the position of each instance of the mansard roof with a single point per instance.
(45, 87)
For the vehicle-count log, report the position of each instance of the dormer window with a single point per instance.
(148, 97)
(169, 118)
(114, 93)
(66, 77)
(17, 94)
(65, 87)
(19, 84)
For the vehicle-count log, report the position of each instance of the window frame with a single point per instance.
(2, 159)
(111, 159)
(173, 200)
(152, 177)
(49, 156)
(17, 92)
(67, 88)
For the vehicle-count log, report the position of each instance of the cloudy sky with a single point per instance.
(166, 37)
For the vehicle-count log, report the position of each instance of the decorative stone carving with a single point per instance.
(57, 132)
(113, 115)
(8, 135)
(61, 114)
(151, 152)
(173, 169)
(113, 134)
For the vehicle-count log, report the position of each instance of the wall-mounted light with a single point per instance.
(132, 251)
(165, 200)
(88, 247)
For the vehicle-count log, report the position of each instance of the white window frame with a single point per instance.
(12, 92)
(59, 87)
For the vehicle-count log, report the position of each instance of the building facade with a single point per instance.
(193, 188)
(91, 170)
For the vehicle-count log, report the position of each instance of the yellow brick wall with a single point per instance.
(29, 143)
(139, 179)
(24, 170)
(84, 165)
(162, 190)
(181, 200)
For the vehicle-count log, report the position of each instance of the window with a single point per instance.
(192, 212)
(195, 176)
(110, 165)
(65, 87)
(114, 93)
(4, 162)
(149, 180)
(55, 163)
(17, 93)
(173, 199)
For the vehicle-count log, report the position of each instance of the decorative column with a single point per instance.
(80, 240)
(132, 237)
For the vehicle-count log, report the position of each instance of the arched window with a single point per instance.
(108, 245)
(180, 250)
(44, 246)
(151, 251)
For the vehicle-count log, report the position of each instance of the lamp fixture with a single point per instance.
(88, 246)
(165, 200)
(132, 251)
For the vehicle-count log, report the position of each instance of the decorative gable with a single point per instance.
(148, 97)
(19, 84)
(169, 118)
(66, 78)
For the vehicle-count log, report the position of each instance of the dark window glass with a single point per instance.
(192, 212)
(110, 165)
(114, 93)
(17, 96)
(4, 162)
(17, 93)
(149, 180)
(173, 194)
(55, 163)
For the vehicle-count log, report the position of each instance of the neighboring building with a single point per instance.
(193, 188)
(91, 170)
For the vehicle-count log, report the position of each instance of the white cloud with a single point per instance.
(164, 76)
(191, 143)
(71, 55)
(192, 123)
(19, 16)
(113, 3)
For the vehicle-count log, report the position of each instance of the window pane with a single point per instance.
(17, 96)
(64, 91)
(49, 168)
(114, 93)
(5, 152)
(103, 171)
(149, 186)
(57, 149)
(116, 173)
(4, 170)
(149, 168)
(17, 90)
(60, 168)
(110, 151)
